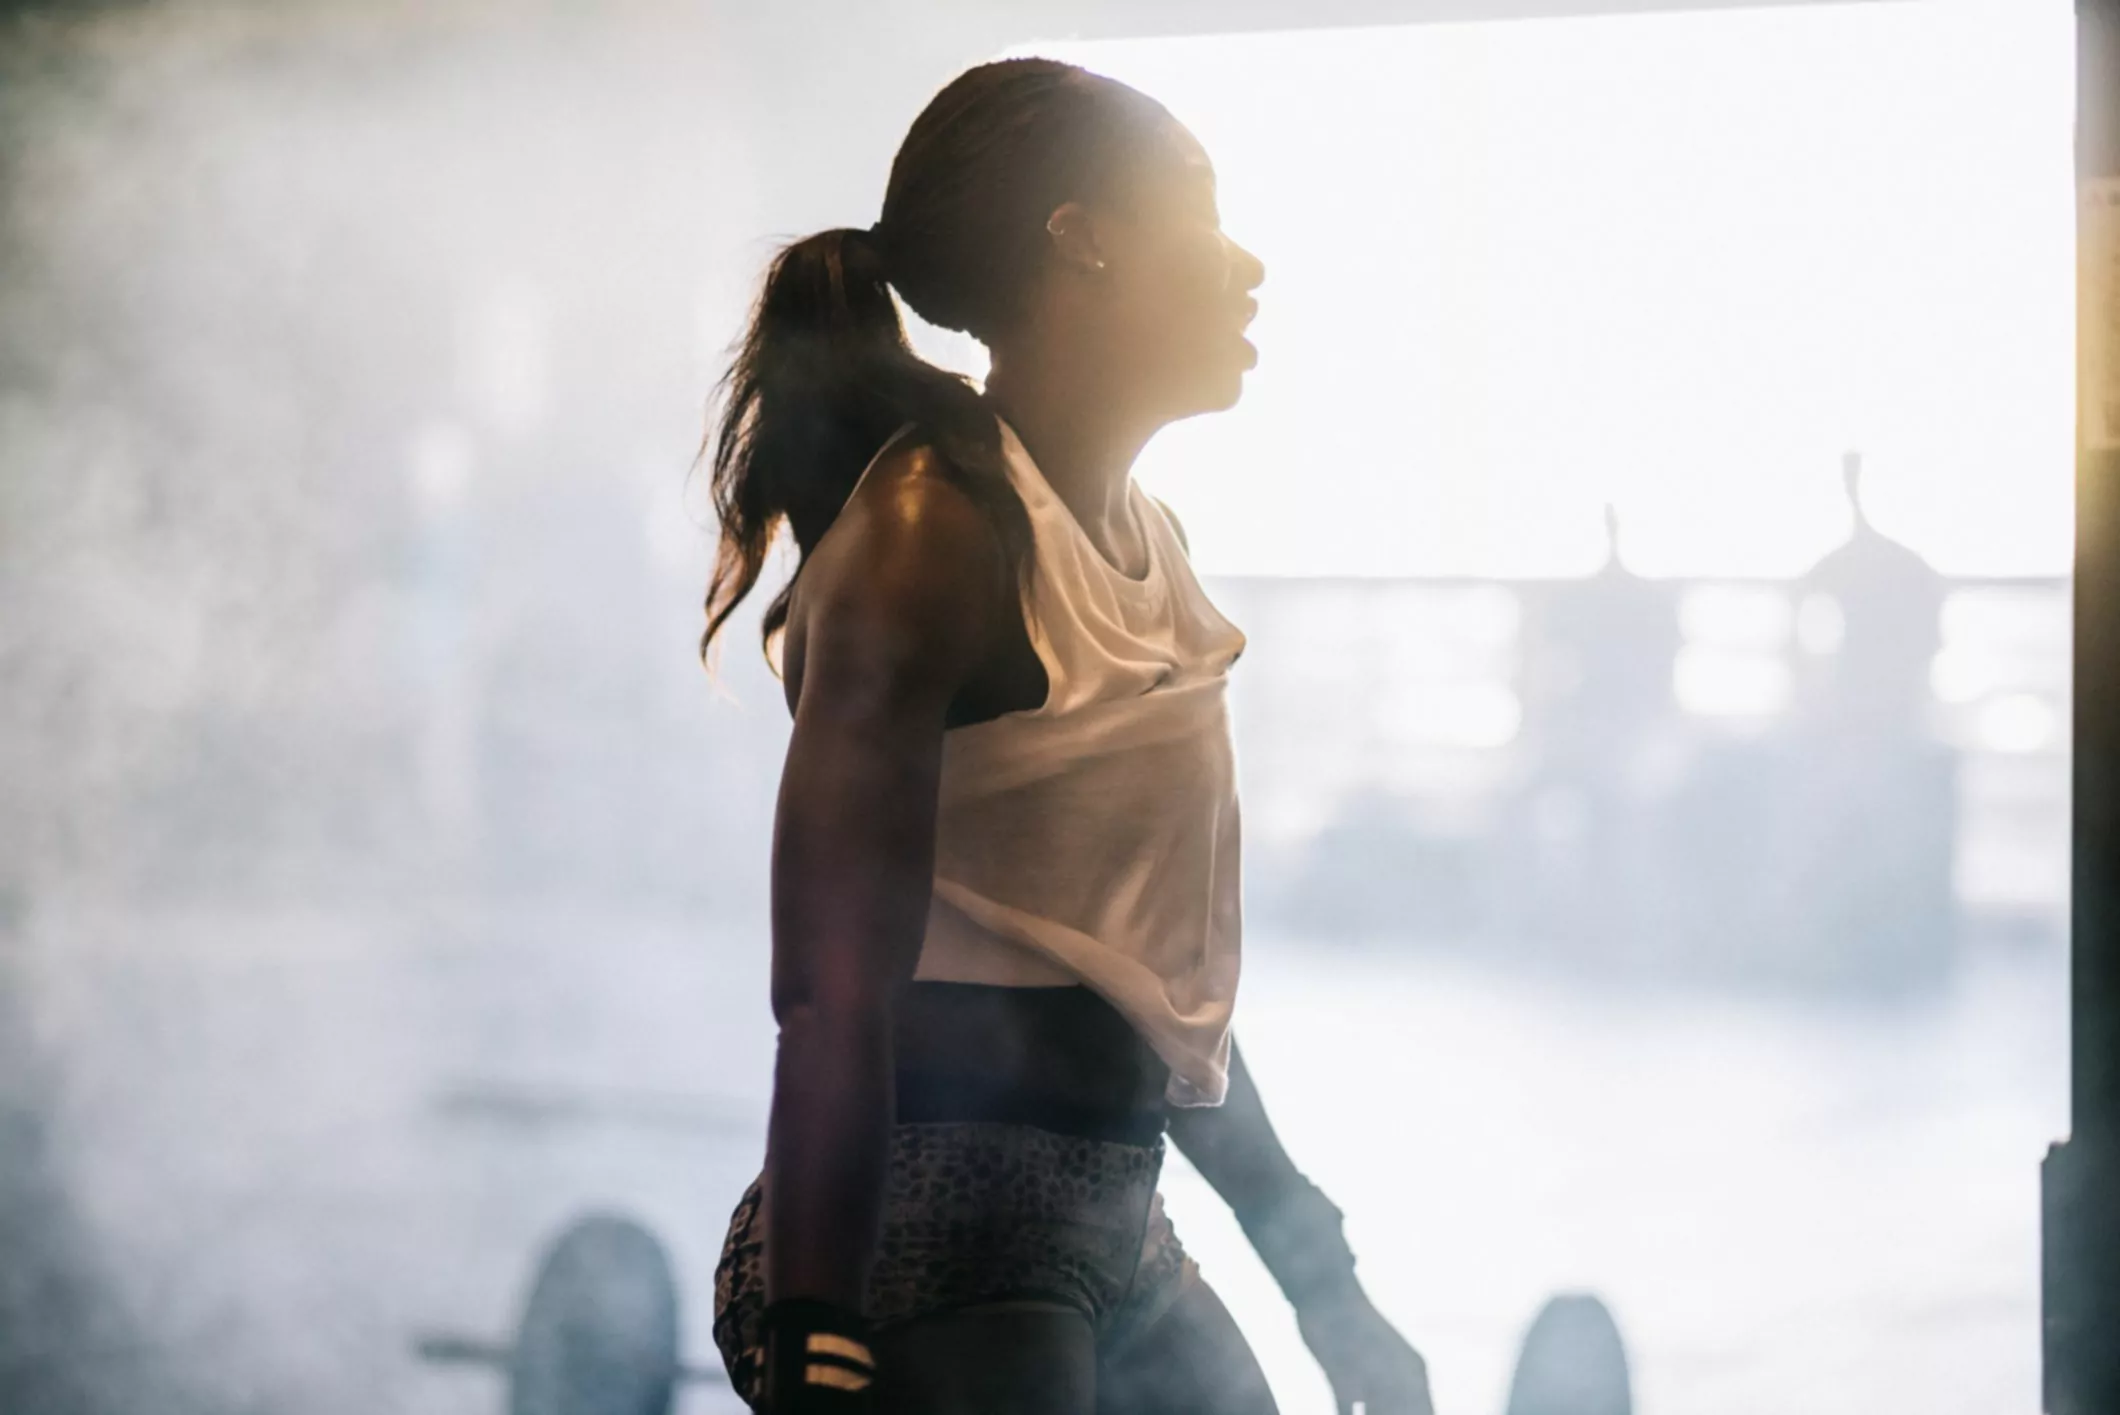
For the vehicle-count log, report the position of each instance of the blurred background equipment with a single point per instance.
(598, 1336)
(598, 1332)
(1675, 779)
(1573, 1362)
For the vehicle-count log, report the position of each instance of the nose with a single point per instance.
(1247, 271)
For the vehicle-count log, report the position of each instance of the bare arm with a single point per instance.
(1296, 1231)
(1234, 1147)
(894, 613)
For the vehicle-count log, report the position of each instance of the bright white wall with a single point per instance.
(1679, 261)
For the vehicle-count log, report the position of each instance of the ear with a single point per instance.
(1074, 234)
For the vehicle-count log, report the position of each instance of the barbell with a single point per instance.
(598, 1335)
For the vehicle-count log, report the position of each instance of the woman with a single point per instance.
(1005, 913)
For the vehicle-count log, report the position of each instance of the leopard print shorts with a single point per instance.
(977, 1212)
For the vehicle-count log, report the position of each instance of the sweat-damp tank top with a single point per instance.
(1094, 839)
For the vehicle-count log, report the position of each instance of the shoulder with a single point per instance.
(911, 562)
(912, 517)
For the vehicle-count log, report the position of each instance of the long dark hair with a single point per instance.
(824, 374)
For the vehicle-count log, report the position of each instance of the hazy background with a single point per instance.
(382, 878)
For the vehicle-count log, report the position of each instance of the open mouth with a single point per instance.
(1247, 312)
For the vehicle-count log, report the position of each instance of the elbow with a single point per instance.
(811, 1010)
(832, 1043)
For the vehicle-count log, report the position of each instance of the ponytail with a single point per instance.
(823, 377)
(824, 374)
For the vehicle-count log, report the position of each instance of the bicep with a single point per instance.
(852, 852)
(889, 636)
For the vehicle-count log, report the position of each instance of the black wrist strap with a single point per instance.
(818, 1359)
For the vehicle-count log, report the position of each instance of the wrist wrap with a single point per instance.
(818, 1360)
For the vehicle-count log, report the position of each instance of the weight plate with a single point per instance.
(1573, 1362)
(599, 1329)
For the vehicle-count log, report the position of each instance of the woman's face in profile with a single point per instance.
(1179, 291)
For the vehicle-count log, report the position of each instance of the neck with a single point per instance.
(1082, 439)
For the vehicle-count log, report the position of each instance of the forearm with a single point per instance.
(1291, 1223)
(852, 874)
(827, 1147)
(1234, 1146)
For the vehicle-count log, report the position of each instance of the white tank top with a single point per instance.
(1094, 839)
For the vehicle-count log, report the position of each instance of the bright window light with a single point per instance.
(1675, 261)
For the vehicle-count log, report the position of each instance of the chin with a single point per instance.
(1206, 401)
(1196, 385)
(1215, 390)
(1225, 392)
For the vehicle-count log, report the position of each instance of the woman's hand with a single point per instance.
(1371, 1367)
